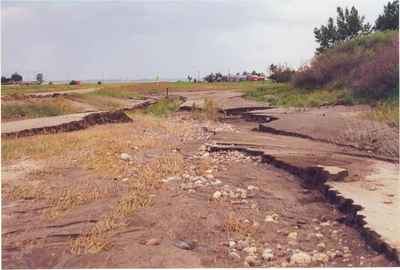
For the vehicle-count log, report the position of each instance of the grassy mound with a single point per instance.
(367, 66)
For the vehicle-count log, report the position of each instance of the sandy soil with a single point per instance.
(201, 209)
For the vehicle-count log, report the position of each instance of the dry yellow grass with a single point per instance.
(27, 191)
(233, 224)
(99, 147)
(98, 150)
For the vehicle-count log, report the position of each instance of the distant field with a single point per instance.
(26, 89)
(145, 87)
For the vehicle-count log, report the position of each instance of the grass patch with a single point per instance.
(386, 111)
(117, 93)
(281, 94)
(163, 107)
(35, 110)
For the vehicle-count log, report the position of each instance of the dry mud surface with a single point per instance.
(202, 208)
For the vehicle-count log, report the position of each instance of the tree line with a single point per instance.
(17, 78)
(349, 24)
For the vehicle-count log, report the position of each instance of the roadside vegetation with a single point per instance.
(15, 111)
(355, 64)
(117, 93)
(163, 107)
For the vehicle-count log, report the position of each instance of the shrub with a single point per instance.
(73, 82)
(378, 76)
(366, 65)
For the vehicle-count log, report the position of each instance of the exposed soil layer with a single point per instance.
(86, 121)
(343, 125)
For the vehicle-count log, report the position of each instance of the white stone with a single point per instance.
(217, 195)
(234, 255)
(300, 258)
(272, 218)
(126, 157)
(251, 187)
(268, 255)
(292, 235)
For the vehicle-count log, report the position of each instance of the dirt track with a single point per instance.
(226, 209)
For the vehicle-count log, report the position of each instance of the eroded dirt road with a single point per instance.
(151, 194)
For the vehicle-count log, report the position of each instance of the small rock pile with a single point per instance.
(247, 249)
(236, 195)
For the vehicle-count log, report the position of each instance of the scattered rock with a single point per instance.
(250, 250)
(272, 218)
(126, 157)
(234, 255)
(216, 182)
(321, 246)
(250, 261)
(268, 255)
(324, 224)
(300, 258)
(251, 188)
(319, 235)
(153, 242)
(185, 244)
(231, 243)
(292, 235)
(217, 195)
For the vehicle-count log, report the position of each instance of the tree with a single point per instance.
(39, 78)
(4, 80)
(189, 78)
(16, 77)
(349, 24)
(389, 20)
(280, 73)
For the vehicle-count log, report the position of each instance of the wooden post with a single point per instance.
(167, 92)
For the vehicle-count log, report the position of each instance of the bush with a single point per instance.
(367, 65)
(379, 76)
(280, 73)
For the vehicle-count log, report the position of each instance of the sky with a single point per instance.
(82, 40)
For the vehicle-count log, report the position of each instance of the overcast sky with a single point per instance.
(132, 39)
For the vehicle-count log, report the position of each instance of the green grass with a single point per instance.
(117, 93)
(282, 94)
(163, 107)
(15, 111)
(386, 111)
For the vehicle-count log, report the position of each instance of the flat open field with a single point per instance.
(208, 180)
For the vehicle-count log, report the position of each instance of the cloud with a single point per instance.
(133, 39)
